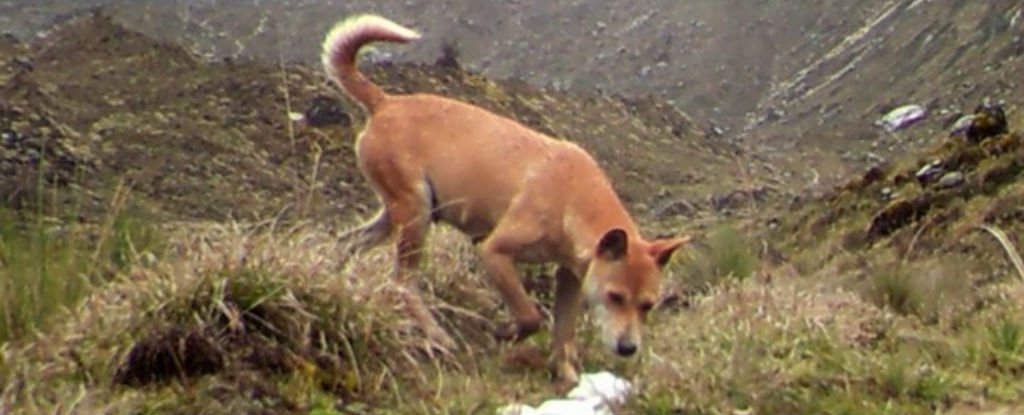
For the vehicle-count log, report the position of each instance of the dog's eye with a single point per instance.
(616, 298)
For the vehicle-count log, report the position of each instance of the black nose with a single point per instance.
(625, 348)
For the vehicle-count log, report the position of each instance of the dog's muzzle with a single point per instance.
(625, 348)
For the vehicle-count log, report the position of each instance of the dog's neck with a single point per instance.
(590, 223)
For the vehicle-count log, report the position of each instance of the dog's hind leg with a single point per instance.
(411, 215)
(405, 192)
(371, 233)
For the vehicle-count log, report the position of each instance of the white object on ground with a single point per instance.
(604, 385)
(901, 117)
(962, 124)
(591, 397)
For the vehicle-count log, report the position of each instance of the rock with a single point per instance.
(8, 138)
(738, 198)
(32, 155)
(324, 111)
(449, 58)
(951, 179)
(677, 207)
(23, 62)
(961, 125)
(929, 171)
(874, 158)
(988, 120)
(901, 117)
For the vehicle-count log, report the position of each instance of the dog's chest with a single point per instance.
(538, 252)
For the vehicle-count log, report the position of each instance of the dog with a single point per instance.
(519, 195)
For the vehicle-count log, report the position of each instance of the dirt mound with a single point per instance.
(172, 353)
(252, 334)
(193, 140)
(97, 104)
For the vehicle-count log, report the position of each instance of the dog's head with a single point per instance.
(623, 283)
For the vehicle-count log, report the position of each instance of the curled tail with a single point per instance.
(342, 44)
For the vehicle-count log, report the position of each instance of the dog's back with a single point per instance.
(478, 164)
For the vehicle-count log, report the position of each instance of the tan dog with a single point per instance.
(522, 196)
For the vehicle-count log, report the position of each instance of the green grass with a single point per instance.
(39, 271)
(893, 287)
(777, 349)
(728, 255)
(47, 265)
(936, 292)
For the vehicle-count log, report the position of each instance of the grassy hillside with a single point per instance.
(168, 245)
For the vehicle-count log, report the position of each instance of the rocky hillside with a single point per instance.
(783, 74)
(96, 104)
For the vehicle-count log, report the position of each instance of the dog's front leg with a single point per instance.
(568, 303)
(501, 269)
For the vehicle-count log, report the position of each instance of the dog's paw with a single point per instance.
(562, 385)
(434, 351)
(563, 374)
(506, 332)
(515, 332)
(524, 356)
(441, 340)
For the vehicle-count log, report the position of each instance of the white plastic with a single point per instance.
(590, 397)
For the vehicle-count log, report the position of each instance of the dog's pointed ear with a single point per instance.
(613, 245)
(663, 249)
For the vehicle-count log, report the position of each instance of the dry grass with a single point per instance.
(1008, 246)
(798, 347)
(328, 325)
(244, 319)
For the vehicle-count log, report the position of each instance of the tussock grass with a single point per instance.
(749, 346)
(47, 264)
(798, 347)
(232, 312)
(933, 291)
(726, 256)
(895, 287)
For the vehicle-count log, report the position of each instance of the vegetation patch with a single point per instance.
(227, 306)
(48, 263)
(727, 255)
